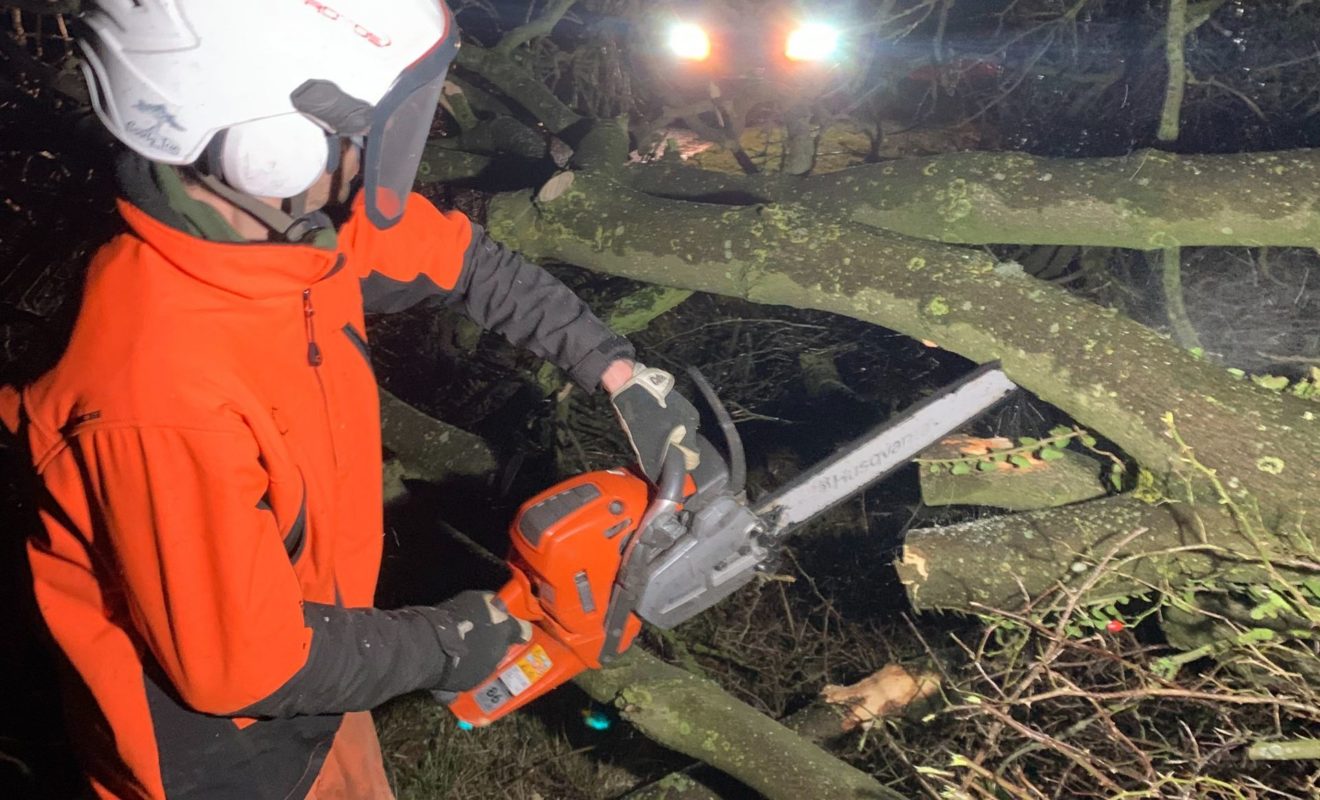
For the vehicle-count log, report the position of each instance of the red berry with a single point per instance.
(1114, 625)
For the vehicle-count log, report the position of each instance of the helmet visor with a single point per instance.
(400, 125)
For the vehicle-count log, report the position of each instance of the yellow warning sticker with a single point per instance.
(534, 664)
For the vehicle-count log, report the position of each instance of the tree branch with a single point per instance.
(695, 717)
(1171, 279)
(541, 26)
(520, 87)
(1175, 32)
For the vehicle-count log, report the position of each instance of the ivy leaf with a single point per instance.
(1237, 373)
(986, 466)
(961, 468)
(1051, 454)
(1060, 430)
(1116, 479)
(1020, 461)
(935, 469)
(1027, 441)
(1088, 440)
(999, 457)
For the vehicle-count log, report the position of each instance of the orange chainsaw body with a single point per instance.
(568, 545)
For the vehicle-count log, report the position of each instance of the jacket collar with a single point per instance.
(249, 269)
(196, 240)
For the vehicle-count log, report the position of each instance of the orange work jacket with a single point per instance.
(208, 452)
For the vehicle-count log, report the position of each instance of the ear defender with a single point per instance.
(273, 157)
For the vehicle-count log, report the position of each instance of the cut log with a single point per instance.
(1035, 484)
(1001, 562)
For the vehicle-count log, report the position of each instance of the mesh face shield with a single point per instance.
(400, 124)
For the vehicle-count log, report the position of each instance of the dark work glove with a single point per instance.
(655, 418)
(475, 631)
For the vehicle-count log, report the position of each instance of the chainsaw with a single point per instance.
(594, 556)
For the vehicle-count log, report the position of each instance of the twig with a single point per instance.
(1311, 711)
(1077, 756)
(1284, 751)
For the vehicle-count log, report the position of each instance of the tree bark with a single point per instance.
(1147, 200)
(697, 718)
(518, 85)
(1111, 374)
(429, 449)
(818, 723)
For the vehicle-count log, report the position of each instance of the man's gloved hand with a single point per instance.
(655, 418)
(476, 631)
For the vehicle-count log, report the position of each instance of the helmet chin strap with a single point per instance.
(292, 228)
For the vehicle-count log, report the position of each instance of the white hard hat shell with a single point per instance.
(167, 75)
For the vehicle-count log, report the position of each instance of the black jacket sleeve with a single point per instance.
(503, 292)
(361, 657)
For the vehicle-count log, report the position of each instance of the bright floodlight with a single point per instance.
(689, 42)
(813, 41)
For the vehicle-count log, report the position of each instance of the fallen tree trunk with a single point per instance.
(695, 717)
(1146, 200)
(1113, 375)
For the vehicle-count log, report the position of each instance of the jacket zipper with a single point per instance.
(315, 359)
(313, 350)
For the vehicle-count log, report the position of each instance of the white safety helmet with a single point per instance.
(261, 87)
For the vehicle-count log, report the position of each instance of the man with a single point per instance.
(208, 448)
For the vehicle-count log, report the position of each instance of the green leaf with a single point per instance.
(1051, 454)
(986, 466)
(1088, 440)
(1116, 480)
(1060, 430)
(935, 469)
(961, 468)
(1020, 461)
(1237, 373)
(1275, 383)
(1197, 352)
(1027, 441)
(999, 457)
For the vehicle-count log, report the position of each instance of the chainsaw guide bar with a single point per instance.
(884, 449)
